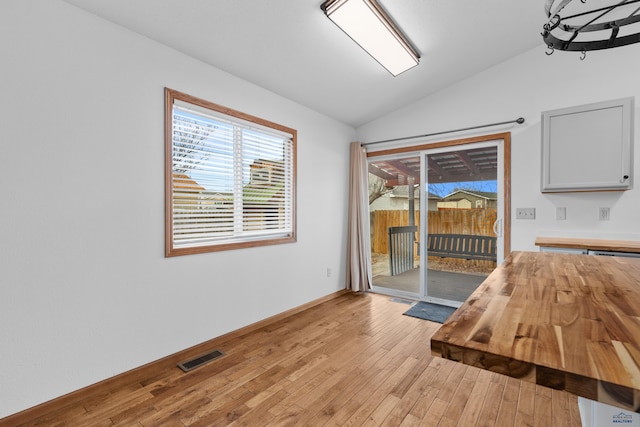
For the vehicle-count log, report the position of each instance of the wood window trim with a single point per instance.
(170, 251)
(505, 137)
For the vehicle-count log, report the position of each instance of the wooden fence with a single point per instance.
(443, 221)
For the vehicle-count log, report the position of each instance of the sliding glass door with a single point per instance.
(437, 217)
(394, 206)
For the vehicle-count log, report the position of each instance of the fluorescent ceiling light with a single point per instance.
(369, 26)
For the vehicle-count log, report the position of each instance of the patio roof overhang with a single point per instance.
(479, 164)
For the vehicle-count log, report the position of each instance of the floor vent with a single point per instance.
(200, 360)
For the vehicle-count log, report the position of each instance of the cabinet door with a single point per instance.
(588, 147)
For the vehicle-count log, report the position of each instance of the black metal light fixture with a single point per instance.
(366, 22)
(584, 25)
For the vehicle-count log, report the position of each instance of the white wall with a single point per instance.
(86, 292)
(524, 87)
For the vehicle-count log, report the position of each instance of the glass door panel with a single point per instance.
(463, 204)
(394, 207)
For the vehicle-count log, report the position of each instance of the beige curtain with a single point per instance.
(358, 240)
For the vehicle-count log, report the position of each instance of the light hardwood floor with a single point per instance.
(354, 360)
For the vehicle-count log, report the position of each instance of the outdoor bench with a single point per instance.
(462, 246)
(471, 247)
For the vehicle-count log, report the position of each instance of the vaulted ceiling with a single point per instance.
(290, 48)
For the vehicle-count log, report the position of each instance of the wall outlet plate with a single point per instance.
(561, 214)
(603, 214)
(525, 213)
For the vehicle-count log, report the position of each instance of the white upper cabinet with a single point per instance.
(588, 147)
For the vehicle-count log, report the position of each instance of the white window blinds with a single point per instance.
(232, 180)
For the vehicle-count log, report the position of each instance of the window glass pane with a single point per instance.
(230, 182)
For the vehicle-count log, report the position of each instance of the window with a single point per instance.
(229, 178)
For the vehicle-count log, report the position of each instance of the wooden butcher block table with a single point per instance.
(569, 322)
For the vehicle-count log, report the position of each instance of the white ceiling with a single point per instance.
(289, 47)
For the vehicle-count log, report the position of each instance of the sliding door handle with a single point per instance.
(497, 227)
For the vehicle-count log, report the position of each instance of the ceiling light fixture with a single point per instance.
(371, 27)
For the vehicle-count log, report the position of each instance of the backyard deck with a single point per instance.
(446, 280)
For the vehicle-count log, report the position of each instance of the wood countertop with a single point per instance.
(593, 244)
(565, 321)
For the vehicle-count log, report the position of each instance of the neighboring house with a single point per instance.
(266, 172)
(186, 191)
(188, 194)
(262, 197)
(183, 182)
(398, 200)
(468, 199)
(432, 201)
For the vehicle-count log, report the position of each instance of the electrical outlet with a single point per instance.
(525, 213)
(329, 272)
(603, 214)
(561, 214)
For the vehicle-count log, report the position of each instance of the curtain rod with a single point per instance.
(519, 120)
